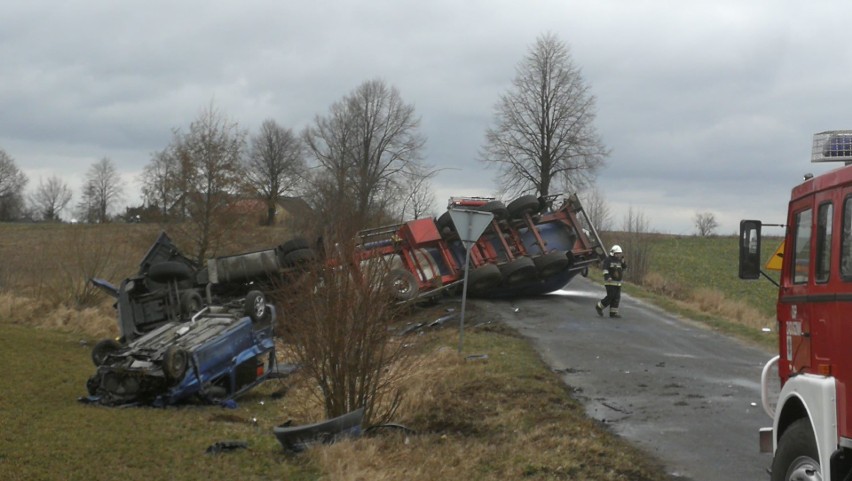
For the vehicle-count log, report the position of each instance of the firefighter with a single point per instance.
(613, 272)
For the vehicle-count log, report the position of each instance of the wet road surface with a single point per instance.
(686, 395)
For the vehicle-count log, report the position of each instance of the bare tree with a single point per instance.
(419, 199)
(705, 224)
(102, 189)
(544, 137)
(276, 166)
(160, 179)
(636, 251)
(12, 183)
(596, 207)
(50, 198)
(208, 164)
(365, 147)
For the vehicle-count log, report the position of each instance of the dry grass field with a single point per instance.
(504, 416)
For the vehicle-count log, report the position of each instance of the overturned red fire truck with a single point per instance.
(532, 246)
(811, 435)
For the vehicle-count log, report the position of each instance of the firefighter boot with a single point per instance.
(614, 313)
(599, 308)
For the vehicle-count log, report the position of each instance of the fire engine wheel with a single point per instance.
(175, 362)
(526, 204)
(445, 223)
(402, 285)
(255, 306)
(483, 278)
(796, 457)
(520, 270)
(495, 207)
(551, 263)
(103, 349)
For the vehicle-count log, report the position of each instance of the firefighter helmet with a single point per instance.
(616, 249)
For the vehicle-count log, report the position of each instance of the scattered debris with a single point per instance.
(476, 357)
(295, 439)
(226, 447)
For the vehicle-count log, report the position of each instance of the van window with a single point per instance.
(823, 242)
(802, 247)
(846, 244)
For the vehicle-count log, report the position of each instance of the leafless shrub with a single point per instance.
(337, 323)
(636, 250)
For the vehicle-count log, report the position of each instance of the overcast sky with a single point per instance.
(706, 106)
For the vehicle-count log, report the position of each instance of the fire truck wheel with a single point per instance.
(518, 271)
(445, 223)
(495, 207)
(484, 278)
(796, 456)
(402, 285)
(175, 361)
(103, 349)
(526, 204)
(551, 263)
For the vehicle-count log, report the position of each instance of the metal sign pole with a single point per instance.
(470, 224)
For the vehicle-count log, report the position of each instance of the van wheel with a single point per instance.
(103, 349)
(796, 457)
(255, 306)
(175, 361)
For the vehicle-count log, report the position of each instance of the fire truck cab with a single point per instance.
(811, 433)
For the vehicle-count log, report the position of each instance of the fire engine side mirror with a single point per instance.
(749, 249)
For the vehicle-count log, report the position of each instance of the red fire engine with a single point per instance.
(531, 247)
(811, 435)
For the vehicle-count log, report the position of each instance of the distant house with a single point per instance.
(286, 209)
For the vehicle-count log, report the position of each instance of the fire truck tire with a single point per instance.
(796, 454)
(526, 204)
(495, 207)
(103, 349)
(402, 285)
(445, 223)
(484, 278)
(551, 263)
(175, 361)
(518, 271)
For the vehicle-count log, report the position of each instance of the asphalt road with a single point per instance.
(686, 395)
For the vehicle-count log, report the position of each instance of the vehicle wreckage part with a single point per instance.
(255, 306)
(164, 272)
(520, 270)
(243, 267)
(191, 302)
(402, 284)
(291, 245)
(483, 278)
(103, 349)
(445, 223)
(298, 257)
(297, 438)
(495, 207)
(175, 362)
(527, 204)
(551, 263)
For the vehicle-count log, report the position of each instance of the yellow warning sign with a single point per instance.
(774, 262)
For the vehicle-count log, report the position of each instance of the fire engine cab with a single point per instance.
(811, 433)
